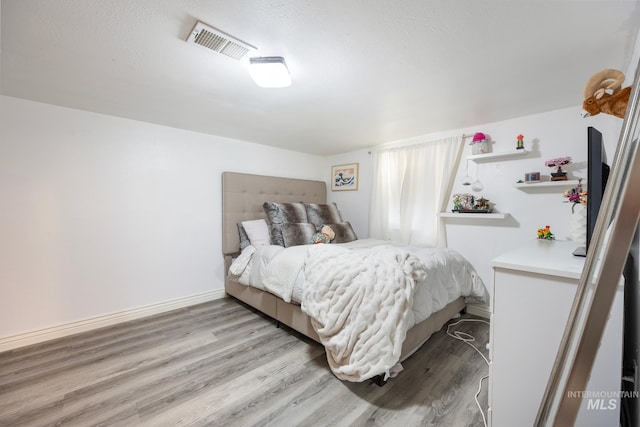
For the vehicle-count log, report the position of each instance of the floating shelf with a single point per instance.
(494, 156)
(548, 184)
(459, 215)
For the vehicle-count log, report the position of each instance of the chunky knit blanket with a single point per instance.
(360, 304)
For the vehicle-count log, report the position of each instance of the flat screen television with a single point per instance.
(597, 175)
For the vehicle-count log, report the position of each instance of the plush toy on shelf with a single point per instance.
(602, 94)
(480, 144)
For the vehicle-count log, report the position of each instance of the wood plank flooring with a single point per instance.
(223, 364)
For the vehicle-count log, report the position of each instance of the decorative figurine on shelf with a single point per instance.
(480, 144)
(463, 202)
(483, 204)
(520, 143)
(559, 174)
(467, 203)
(603, 93)
(545, 233)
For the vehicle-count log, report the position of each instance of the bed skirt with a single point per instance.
(293, 316)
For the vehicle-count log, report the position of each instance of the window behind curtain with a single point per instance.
(411, 186)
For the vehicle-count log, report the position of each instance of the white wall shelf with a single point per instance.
(459, 215)
(495, 156)
(561, 185)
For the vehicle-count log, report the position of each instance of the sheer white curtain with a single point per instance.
(411, 186)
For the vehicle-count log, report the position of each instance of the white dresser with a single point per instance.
(533, 290)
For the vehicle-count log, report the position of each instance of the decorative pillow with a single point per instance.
(320, 215)
(244, 239)
(282, 213)
(298, 233)
(257, 231)
(344, 232)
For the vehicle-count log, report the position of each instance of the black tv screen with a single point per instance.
(597, 175)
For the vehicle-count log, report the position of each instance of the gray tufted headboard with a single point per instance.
(243, 195)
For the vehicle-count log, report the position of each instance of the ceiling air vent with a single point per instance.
(218, 41)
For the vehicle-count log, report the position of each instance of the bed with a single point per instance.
(243, 196)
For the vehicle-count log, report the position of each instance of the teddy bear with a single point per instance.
(326, 235)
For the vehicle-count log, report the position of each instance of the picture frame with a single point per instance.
(345, 177)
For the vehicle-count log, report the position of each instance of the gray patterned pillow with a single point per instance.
(283, 213)
(344, 232)
(244, 239)
(298, 233)
(321, 214)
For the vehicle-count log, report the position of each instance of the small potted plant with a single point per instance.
(559, 174)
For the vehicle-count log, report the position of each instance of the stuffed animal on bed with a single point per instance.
(326, 235)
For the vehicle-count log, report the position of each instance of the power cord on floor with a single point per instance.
(468, 339)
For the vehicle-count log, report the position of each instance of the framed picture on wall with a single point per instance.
(344, 177)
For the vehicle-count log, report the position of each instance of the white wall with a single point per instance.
(553, 134)
(102, 214)
(548, 135)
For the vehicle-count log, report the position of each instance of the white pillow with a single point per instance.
(258, 232)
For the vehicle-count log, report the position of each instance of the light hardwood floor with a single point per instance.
(223, 364)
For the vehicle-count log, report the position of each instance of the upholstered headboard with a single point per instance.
(243, 195)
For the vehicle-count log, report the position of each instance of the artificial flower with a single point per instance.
(545, 233)
(558, 161)
(576, 195)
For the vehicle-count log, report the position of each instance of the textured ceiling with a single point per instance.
(364, 72)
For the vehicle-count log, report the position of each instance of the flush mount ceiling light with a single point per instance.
(269, 71)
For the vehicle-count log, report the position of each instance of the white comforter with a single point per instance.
(362, 296)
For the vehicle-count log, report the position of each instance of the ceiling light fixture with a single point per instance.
(269, 71)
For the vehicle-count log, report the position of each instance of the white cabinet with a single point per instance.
(533, 290)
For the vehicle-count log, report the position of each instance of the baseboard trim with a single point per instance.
(59, 331)
(480, 310)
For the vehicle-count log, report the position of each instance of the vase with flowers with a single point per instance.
(558, 162)
(578, 223)
(576, 196)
